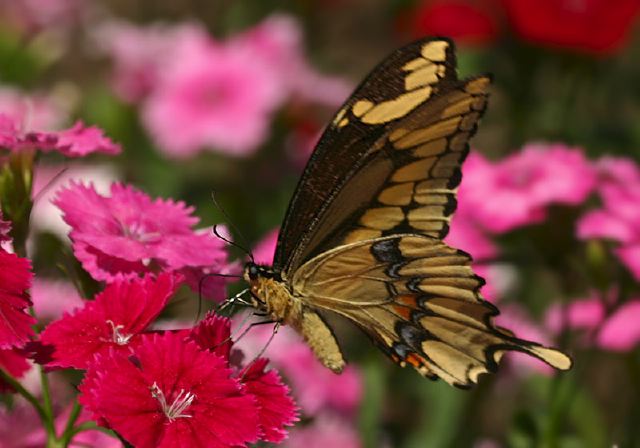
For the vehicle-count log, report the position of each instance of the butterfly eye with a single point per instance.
(253, 271)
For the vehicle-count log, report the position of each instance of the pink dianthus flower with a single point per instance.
(214, 98)
(128, 234)
(523, 185)
(619, 217)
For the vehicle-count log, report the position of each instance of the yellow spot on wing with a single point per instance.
(361, 107)
(382, 218)
(435, 51)
(339, 116)
(414, 171)
(415, 64)
(343, 122)
(399, 107)
(437, 130)
(477, 85)
(397, 195)
(422, 77)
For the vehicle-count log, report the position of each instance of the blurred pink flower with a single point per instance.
(314, 386)
(326, 430)
(22, 426)
(51, 298)
(516, 319)
(277, 45)
(34, 15)
(619, 218)
(15, 280)
(77, 141)
(140, 54)
(466, 235)
(265, 249)
(31, 111)
(586, 314)
(111, 322)
(128, 234)
(621, 331)
(522, 185)
(215, 98)
(171, 393)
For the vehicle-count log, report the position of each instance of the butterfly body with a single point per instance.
(362, 237)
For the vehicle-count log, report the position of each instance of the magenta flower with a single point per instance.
(266, 247)
(621, 331)
(128, 234)
(523, 185)
(171, 393)
(15, 280)
(276, 409)
(216, 98)
(112, 322)
(77, 141)
(619, 218)
(140, 54)
(277, 45)
(585, 314)
(15, 363)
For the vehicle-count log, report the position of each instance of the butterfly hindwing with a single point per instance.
(419, 300)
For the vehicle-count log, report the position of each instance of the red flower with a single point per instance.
(591, 26)
(15, 321)
(470, 22)
(110, 323)
(171, 393)
(276, 408)
(13, 362)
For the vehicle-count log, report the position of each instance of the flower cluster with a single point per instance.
(222, 94)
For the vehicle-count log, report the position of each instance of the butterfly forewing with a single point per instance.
(344, 173)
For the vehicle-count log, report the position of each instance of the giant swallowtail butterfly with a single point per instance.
(363, 233)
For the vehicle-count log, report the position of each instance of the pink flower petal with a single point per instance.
(80, 140)
(601, 224)
(327, 430)
(276, 409)
(266, 248)
(51, 298)
(580, 314)
(15, 321)
(128, 393)
(621, 331)
(630, 256)
(111, 322)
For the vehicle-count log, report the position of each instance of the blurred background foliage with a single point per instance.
(573, 79)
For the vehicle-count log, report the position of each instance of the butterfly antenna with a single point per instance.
(201, 288)
(276, 327)
(234, 227)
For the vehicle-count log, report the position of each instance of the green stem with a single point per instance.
(19, 388)
(47, 405)
(69, 430)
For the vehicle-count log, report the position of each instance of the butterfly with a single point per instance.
(363, 233)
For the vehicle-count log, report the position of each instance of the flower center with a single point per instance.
(180, 404)
(139, 232)
(117, 337)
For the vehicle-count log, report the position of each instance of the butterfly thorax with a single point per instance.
(270, 294)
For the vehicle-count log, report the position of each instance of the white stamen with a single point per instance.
(180, 403)
(119, 338)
